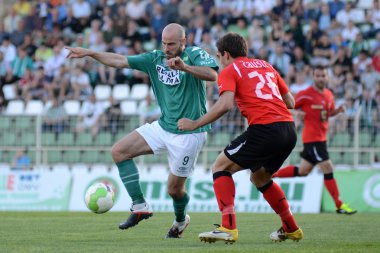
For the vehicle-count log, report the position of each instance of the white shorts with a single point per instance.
(183, 149)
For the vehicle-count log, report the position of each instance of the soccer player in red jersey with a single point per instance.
(316, 104)
(263, 98)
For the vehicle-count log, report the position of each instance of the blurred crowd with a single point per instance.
(293, 35)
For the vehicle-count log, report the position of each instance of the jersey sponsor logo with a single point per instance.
(168, 77)
(235, 150)
(318, 107)
(255, 64)
(206, 58)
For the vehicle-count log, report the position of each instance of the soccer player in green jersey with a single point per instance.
(178, 74)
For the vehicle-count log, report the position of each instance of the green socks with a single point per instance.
(129, 175)
(180, 207)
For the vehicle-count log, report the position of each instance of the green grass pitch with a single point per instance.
(72, 232)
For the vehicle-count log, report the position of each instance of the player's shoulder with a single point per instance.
(328, 92)
(307, 93)
(309, 90)
(156, 52)
(193, 50)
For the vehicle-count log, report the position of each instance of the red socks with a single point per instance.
(332, 188)
(289, 171)
(274, 195)
(224, 188)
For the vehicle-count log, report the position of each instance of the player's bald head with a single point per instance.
(174, 30)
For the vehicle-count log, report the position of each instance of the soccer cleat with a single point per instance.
(229, 236)
(136, 216)
(345, 209)
(178, 227)
(280, 235)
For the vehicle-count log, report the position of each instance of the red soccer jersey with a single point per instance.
(317, 107)
(258, 88)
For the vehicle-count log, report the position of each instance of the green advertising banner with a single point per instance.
(360, 189)
(35, 191)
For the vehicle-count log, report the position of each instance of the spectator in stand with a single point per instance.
(55, 119)
(172, 10)
(70, 23)
(185, 11)
(149, 110)
(312, 36)
(359, 44)
(352, 88)
(350, 31)
(92, 34)
(157, 22)
(132, 35)
(11, 20)
(360, 62)
(280, 60)
(20, 64)
(324, 17)
(121, 21)
(81, 10)
(42, 54)
(336, 81)
(36, 88)
(22, 7)
(335, 6)
(345, 15)
(29, 46)
(299, 84)
(8, 49)
(60, 84)
(90, 116)
(53, 63)
(368, 105)
(32, 21)
(80, 83)
(136, 11)
(21, 160)
(256, 35)
(5, 71)
(3, 33)
(342, 58)
(17, 36)
(370, 79)
(240, 27)
(111, 119)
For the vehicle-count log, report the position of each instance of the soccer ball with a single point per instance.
(99, 198)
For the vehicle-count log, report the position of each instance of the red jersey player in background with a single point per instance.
(317, 105)
(263, 98)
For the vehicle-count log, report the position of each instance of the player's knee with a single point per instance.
(119, 154)
(175, 192)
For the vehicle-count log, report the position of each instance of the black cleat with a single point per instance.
(177, 229)
(135, 218)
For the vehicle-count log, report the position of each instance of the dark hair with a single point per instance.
(319, 67)
(234, 44)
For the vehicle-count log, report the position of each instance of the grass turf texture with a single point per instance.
(87, 232)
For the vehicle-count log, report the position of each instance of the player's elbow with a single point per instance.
(228, 105)
(212, 76)
(290, 104)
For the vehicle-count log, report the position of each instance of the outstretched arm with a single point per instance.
(201, 72)
(109, 59)
(223, 105)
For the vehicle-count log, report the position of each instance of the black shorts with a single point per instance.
(315, 152)
(265, 146)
